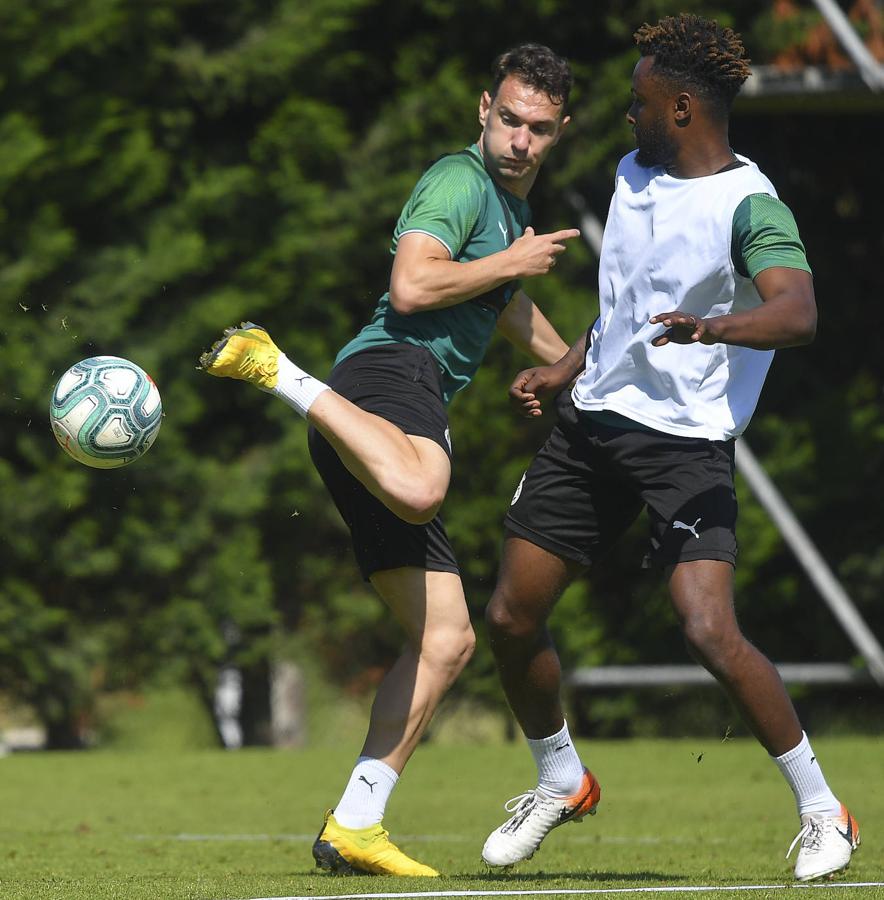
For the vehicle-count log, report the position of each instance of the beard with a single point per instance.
(655, 146)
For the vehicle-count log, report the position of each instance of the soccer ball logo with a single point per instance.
(105, 412)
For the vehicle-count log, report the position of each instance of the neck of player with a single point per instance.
(699, 158)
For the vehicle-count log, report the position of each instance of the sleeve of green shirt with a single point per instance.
(446, 203)
(765, 235)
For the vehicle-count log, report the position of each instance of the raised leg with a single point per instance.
(407, 473)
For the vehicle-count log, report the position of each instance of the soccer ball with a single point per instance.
(105, 412)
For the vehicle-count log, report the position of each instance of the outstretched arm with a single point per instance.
(425, 277)
(786, 318)
(531, 385)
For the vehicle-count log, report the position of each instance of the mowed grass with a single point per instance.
(223, 826)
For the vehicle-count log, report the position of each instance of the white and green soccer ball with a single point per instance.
(105, 412)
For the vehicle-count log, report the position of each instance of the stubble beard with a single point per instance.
(655, 147)
(512, 180)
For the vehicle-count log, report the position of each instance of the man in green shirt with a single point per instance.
(379, 432)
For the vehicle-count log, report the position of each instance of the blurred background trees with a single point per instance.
(168, 169)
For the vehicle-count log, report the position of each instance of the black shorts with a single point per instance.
(402, 384)
(590, 481)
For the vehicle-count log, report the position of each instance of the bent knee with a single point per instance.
(467, 647)
(420, 507)
(711, 642)
(505, 623)
(449, 648)
(498, 619)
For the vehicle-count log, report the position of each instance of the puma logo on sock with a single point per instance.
(370, 784)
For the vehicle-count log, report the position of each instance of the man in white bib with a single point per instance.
(702, 276)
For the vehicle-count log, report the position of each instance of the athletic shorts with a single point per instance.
(402, 384)
(590, 481)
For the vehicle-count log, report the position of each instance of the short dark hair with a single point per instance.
(538, 67)
(699, 52)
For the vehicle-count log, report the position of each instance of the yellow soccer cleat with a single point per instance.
(362, 851)
(246, 353)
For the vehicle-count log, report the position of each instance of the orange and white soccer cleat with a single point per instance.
(826, 844)
(534, 815)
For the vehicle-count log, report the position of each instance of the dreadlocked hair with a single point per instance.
(688, 49)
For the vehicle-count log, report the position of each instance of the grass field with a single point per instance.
(223, 826)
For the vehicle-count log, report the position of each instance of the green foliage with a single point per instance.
(169, 169)
(772, 33)
(160, 720)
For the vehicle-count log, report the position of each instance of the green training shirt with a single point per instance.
(457, 202)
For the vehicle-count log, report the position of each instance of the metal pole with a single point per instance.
(811, 561)
(870, 69)
(591, 228)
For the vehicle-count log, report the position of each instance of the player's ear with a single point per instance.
(484, 106)
(683, 109)
(562, 126)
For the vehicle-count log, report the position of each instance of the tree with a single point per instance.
(169, 169)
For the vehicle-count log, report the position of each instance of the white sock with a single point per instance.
(296, 387)
(365, 797)
(805, 777)
(559, 770)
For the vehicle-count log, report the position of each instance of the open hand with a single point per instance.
(683, 329)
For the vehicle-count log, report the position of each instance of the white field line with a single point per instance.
(686, 889)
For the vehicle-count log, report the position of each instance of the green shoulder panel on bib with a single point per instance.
(765, 235)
